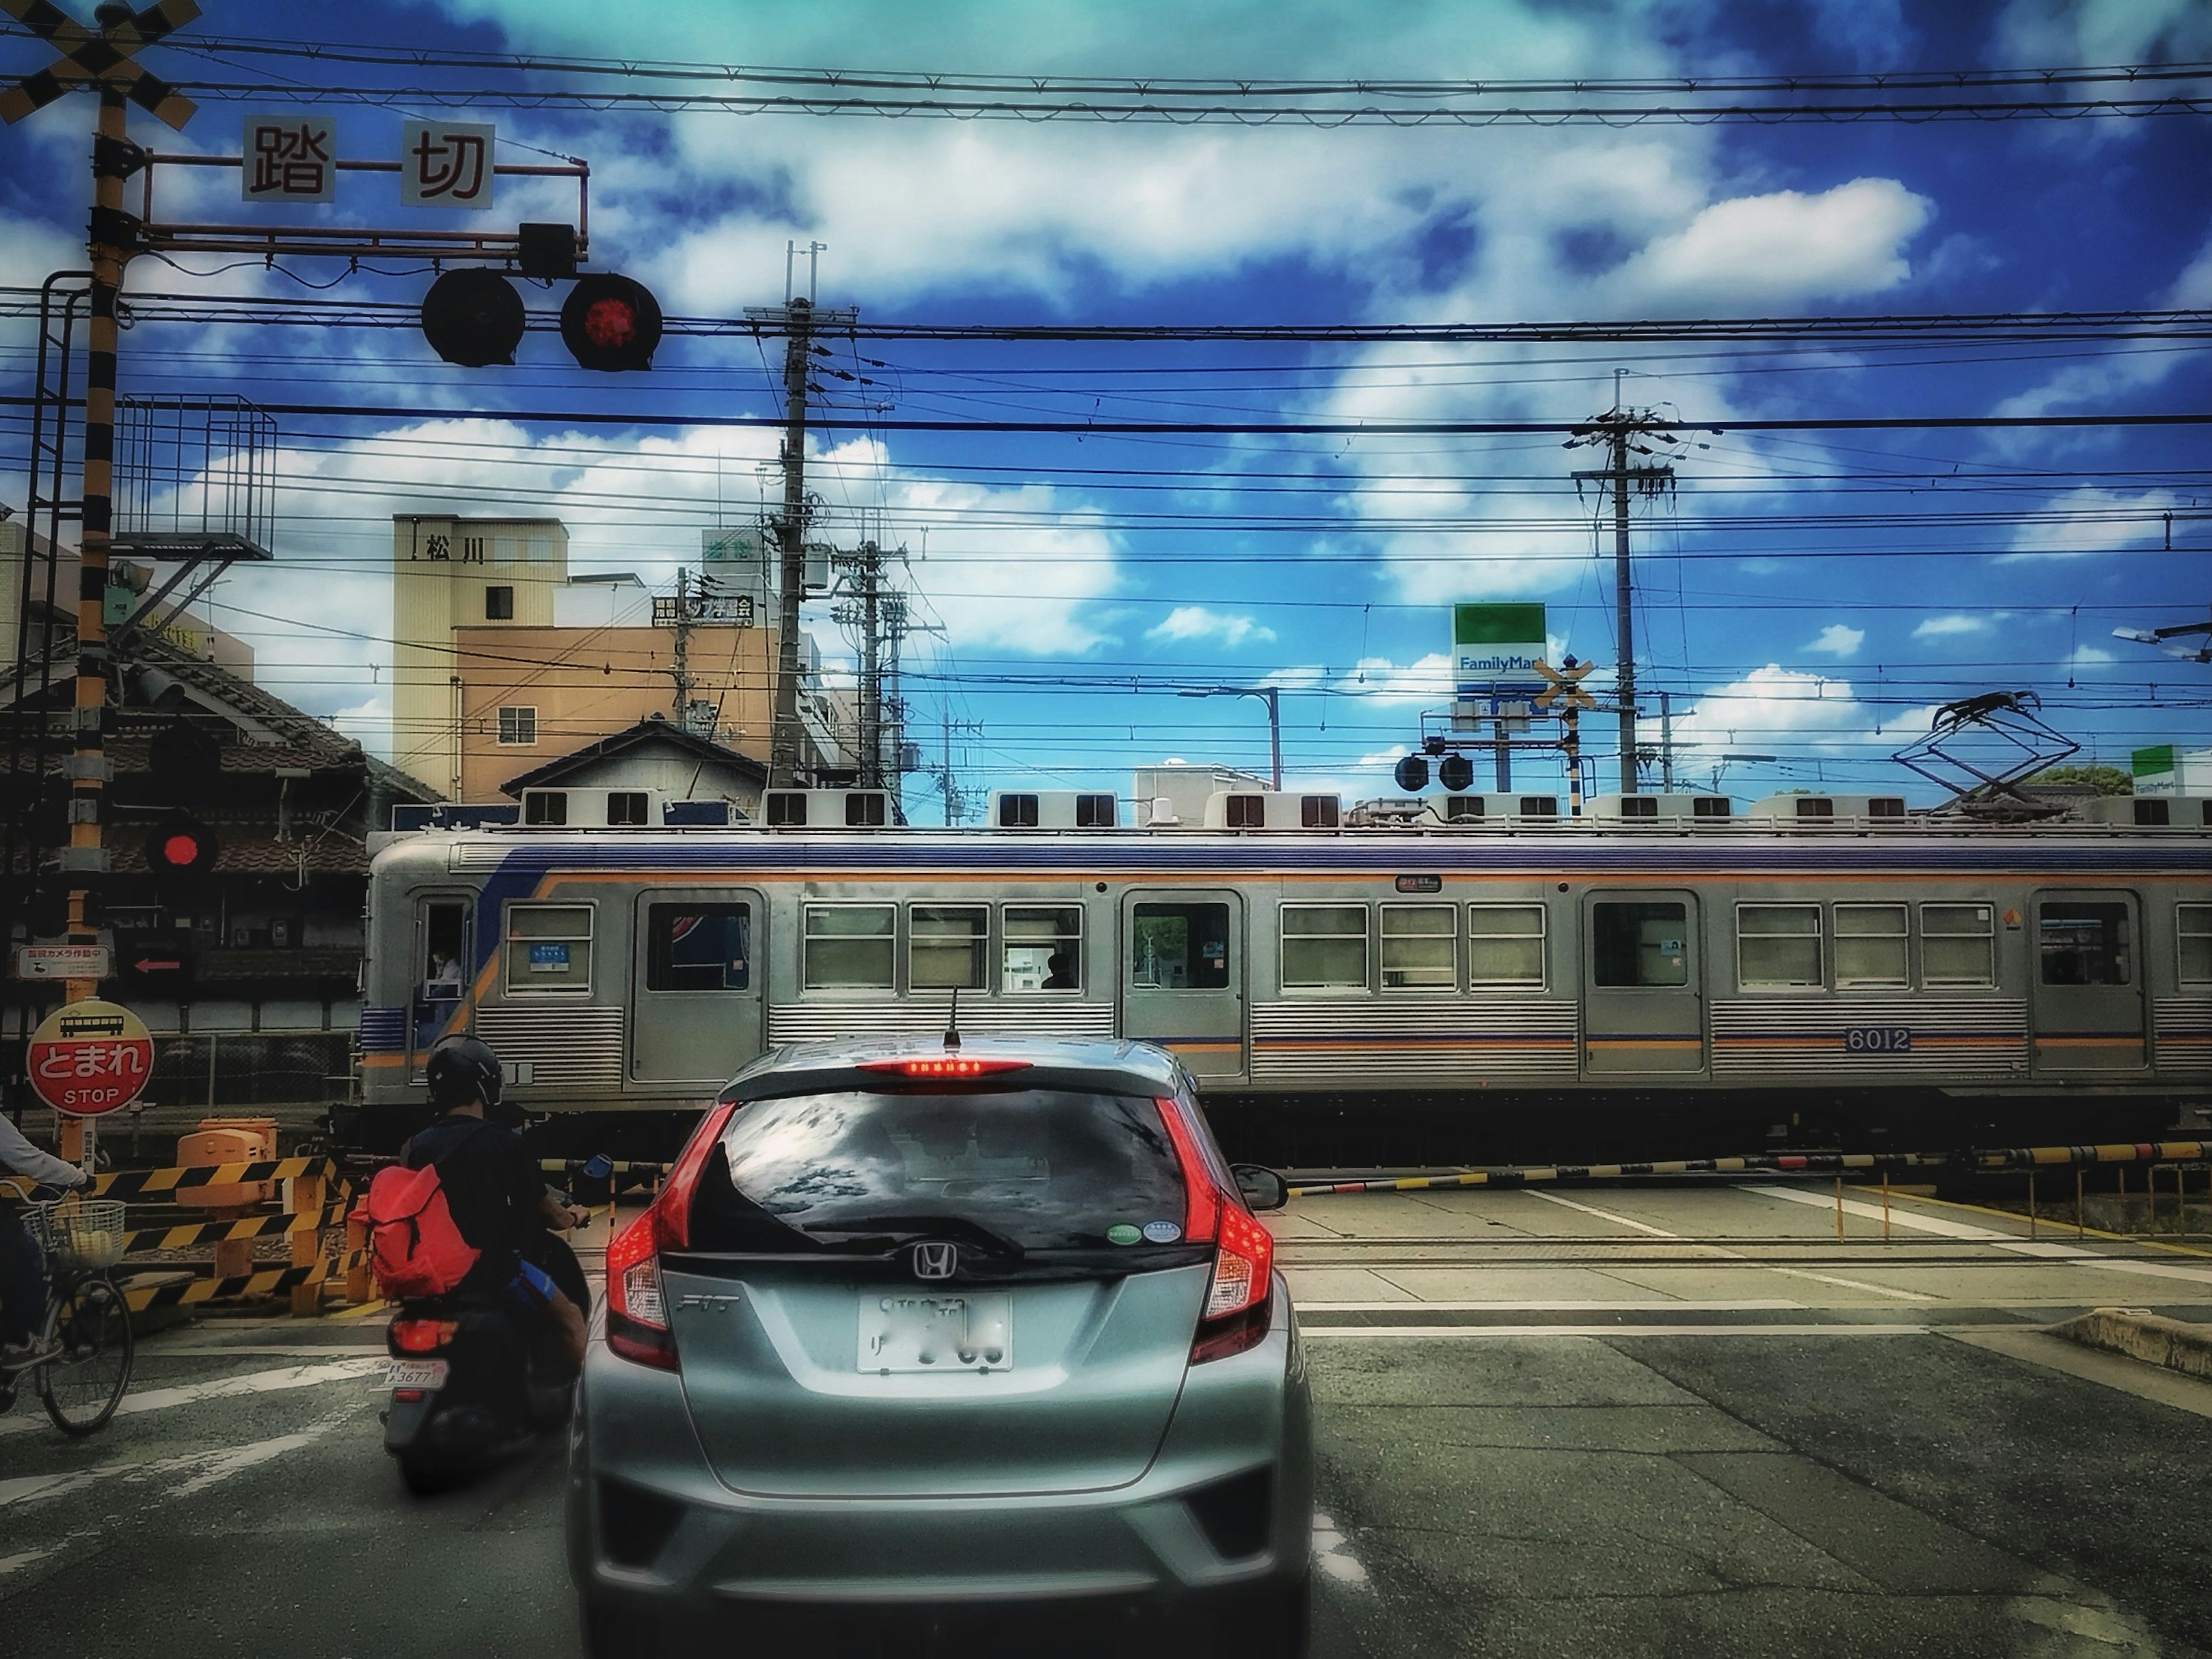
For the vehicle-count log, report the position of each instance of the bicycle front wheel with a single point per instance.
(82, 1384)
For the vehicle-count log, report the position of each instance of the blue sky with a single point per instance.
(1805, 596)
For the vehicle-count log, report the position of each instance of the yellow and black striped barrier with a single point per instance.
(266, 1282)
(253, 1226)
(153, 1184)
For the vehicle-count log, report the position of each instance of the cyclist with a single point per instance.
(22, 1268)
(494, 1189)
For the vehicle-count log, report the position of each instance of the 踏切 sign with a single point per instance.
(61, 962)
(90, 1058)
(288, 158)
(445, 164)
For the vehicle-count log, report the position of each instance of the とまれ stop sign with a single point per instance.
(90, 1058)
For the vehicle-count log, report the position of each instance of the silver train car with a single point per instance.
(1653, 977)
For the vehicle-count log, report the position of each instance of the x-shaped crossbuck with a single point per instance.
(1563, 686)
(98, 57)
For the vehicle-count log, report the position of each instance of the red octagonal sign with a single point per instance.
(90, 1058)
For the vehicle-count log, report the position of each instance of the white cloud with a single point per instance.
(1785, 248)
(2091, 520)
(1838, 640)
(1939, 628)
(1196, 621)
(1785, 712)
(2088, 655)
(2103, 32)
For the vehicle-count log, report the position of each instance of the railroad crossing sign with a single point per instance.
(99, 57)
(1562, 686)
(90, 1058)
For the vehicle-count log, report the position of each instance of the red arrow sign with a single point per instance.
(150, 964)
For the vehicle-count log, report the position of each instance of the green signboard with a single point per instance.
(1495, 647)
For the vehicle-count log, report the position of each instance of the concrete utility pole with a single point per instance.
(784, 740)
(1621, 430)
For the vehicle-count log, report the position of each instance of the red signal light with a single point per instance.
(179, 851)
(180, 846)
(611, 323)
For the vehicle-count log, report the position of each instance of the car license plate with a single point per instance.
(913, 1332)
(416, 1374)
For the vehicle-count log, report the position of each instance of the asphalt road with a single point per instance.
(1619, 1423)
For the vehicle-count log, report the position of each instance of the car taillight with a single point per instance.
(1237, 1313)
(637, 1311)
(423, 1335)
(946, 1065)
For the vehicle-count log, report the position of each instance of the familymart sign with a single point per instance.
(1496, 648)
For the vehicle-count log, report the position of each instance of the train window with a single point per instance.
(1095, 812)
(1815, 806)
(1871, 945)
(1710, 806)
(944, 946)
(698, 947)
(446, 944)
(1640, 806)
(848, 947)
(626, 806)
(2152, 814)
(1042, 948)
(1505, 944)
(1885, 806)
(787, 809)
(1778, 945)
(1318, 813)
(1956, 945)
(2083, 943)
(1418, 944)
(1245, 813)
(1639, 944)
(549, 948)
(1179, 947)
(2193, 923)
(1018, 811)
(864, 809)
(545, 806)
(1463, 809)
(1325, 947)
(1540, 806)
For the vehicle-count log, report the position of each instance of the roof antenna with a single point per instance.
(952, 1026)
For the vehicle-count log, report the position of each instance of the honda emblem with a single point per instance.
(935, 1259)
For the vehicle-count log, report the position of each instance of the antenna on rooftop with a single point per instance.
(952, 1025)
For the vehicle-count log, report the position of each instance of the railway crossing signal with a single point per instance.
(102, 57)
(611, 323)
(1564, 686)
(473, 318)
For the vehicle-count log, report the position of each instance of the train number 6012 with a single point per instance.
(1878, 1040)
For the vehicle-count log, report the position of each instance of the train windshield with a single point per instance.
(1017, 1173)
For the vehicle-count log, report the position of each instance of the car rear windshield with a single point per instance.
(1012, 1173)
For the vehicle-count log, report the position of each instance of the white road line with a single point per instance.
(23, 1558)
(22, 1490)
(1602, 1215)
(1468, 1333)
(222, 1465)
(1899, 1217)
(249, 1383)
(1649, 1304)
(1858, 1285)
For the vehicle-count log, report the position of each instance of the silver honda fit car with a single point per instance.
(932, 1349)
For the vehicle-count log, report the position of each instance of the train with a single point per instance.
(1471, 976)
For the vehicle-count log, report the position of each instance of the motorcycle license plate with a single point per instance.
(416, 1374)
(918, 1333)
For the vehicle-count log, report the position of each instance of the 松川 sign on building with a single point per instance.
(1496, 648)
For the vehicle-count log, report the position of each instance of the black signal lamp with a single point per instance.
(545, 251)
(610, 323)
(1413, 774)
(473, 318)
(1455, 772)
(180, 846)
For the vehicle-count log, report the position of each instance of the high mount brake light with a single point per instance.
(637, 1311)
(950, 1066)
(1234, 1317)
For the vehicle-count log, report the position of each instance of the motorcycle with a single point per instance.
(474, 1380)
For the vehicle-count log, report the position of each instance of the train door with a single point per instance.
(443, 955)
(696, 984)
(1182, 975)
(1643, 1000)
(2088, 994)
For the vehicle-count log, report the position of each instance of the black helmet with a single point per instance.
(461, 1069)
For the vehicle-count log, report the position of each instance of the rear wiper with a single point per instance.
(926, 1226)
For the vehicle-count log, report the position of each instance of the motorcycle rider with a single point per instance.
(495, 1193)
(22, 1268)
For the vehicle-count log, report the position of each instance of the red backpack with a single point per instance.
(414, 1247)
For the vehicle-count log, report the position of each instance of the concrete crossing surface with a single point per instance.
(1614, 1421)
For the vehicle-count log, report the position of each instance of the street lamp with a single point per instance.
(1266, 694)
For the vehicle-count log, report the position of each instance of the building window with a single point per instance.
(1095, 812)
(1957, 946)
(1871, 948)
(1324, 947)
(848, 947)
(549, 948)
(546, 807)
(1245, 813)
(698, 947)
(2193, 922)
(2083, 943)
(1778, 946)
(1018, 811)
(1042, 949)
(1319, 813)
(1418, 941)
(944, 946)
(1179, 947)
(1505, 944)
(518, 726)
(499, 605)
(626, 807)
(1640, 944)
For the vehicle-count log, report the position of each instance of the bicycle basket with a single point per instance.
(83, 1235)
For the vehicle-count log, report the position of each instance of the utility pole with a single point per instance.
(1622, 430)
(680, 671)
(1667, 742)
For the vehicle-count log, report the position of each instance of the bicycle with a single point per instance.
(85, 1314)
